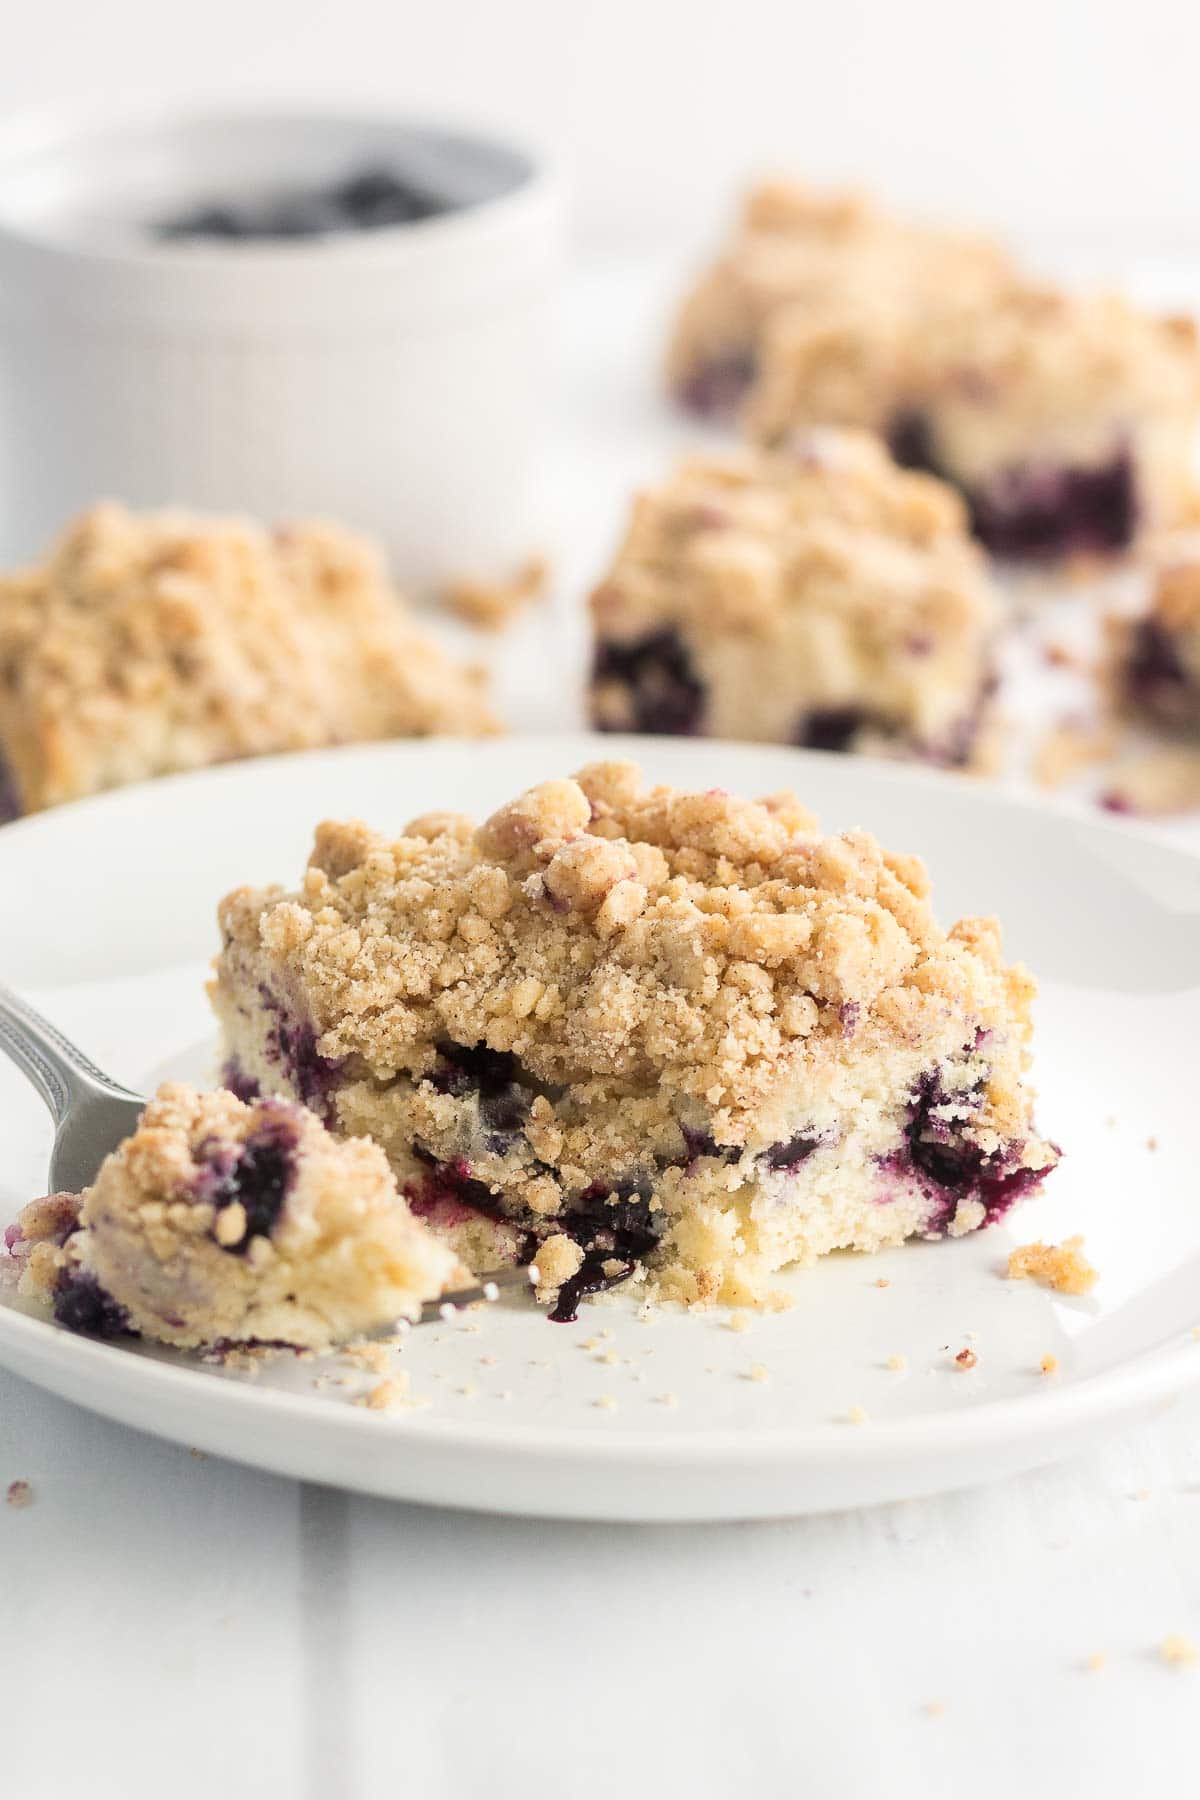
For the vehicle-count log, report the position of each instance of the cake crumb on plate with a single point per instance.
(1062, 1267)
(386, 1396)
(19, 1493)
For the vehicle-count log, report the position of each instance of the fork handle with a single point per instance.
(59, 1071)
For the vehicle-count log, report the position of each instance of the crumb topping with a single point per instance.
(630, 940)
(735, 542)
(150, 643)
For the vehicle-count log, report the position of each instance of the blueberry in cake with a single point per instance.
(637, 1033)
(1067, 420)
(819, 596)
(148, 644)
(220, 1223)
(1153, 669)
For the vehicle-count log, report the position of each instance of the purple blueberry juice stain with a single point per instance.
(242, 1086)
(666, 697)
(623, 1230)
(451, 1184)
(938, 1153)
(292, 1042)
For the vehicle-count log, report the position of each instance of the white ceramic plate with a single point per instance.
(106, 920)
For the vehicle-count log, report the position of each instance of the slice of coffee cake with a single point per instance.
(631, 1031)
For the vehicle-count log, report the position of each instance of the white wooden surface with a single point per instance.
(176, 1626)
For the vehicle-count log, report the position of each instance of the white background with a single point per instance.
(1069, 121)
(175, 1626)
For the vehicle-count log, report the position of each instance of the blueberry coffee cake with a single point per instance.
(629, 1032)
(821, 596)
(220, 1223)
(1154, 667)
(827, 254)
(1067, 420)
(146, 644)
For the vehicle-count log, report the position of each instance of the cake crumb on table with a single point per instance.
(758, 1372)
(491, 605)
(1179, 1651)
(897, 1363)
(19, 1493)
(1062, 1267)
(607, 1403)
(965, 1359)
(667, 1399)
(858, 1415)
(1095, 1662)
(1049, 1364)
(738, 1321)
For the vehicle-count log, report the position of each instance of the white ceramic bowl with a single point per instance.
(396, 379)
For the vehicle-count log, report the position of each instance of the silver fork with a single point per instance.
(92, 1114)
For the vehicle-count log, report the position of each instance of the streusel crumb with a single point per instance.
(19, 1493)
(1062, 1267)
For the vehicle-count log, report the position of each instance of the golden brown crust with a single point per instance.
(152, 643)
